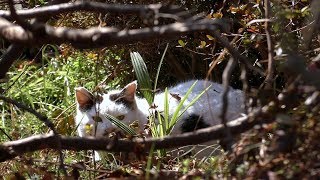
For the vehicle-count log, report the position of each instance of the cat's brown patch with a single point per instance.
(84, 98)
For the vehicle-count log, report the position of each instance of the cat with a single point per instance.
(128, 107)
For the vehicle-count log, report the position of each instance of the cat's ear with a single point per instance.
(129, 91)
(84, 98)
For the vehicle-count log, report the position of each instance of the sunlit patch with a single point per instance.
(88, 128)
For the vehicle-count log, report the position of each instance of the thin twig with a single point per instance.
(4, 132)
(270, 71)
(245, 87)
(225, 81)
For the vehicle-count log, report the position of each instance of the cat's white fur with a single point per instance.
(208, 106)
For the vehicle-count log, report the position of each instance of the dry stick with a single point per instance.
(270, 71)
(226, 142)
(144, 10)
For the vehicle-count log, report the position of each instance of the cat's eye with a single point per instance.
(121, 117)
(97, 118)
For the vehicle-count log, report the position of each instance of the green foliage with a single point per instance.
(49, 88)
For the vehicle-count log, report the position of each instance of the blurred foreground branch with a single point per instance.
(9, 150)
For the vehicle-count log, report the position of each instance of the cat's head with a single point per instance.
(121, 104)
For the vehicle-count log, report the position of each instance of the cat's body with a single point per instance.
(125, 104)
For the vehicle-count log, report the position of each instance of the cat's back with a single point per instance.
(214, 89)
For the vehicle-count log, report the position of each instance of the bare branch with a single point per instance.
(9, 150)
(47, 11)
(100, 37)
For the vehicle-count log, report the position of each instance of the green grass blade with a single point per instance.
(194, 100)
(176, 114)
(159, 67)
(142, 75)
(160, 125)
(166, 109)
(149, 162)
(120, 125)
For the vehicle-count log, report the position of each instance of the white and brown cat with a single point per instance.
(125, 105)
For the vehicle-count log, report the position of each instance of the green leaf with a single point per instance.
(194, 100)
(166, 108)
(159, 67)
(182, 44)
(177, 112)
(176, 115)
(142, 75)
(210, 37)
(203, 44)
(121, 125)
